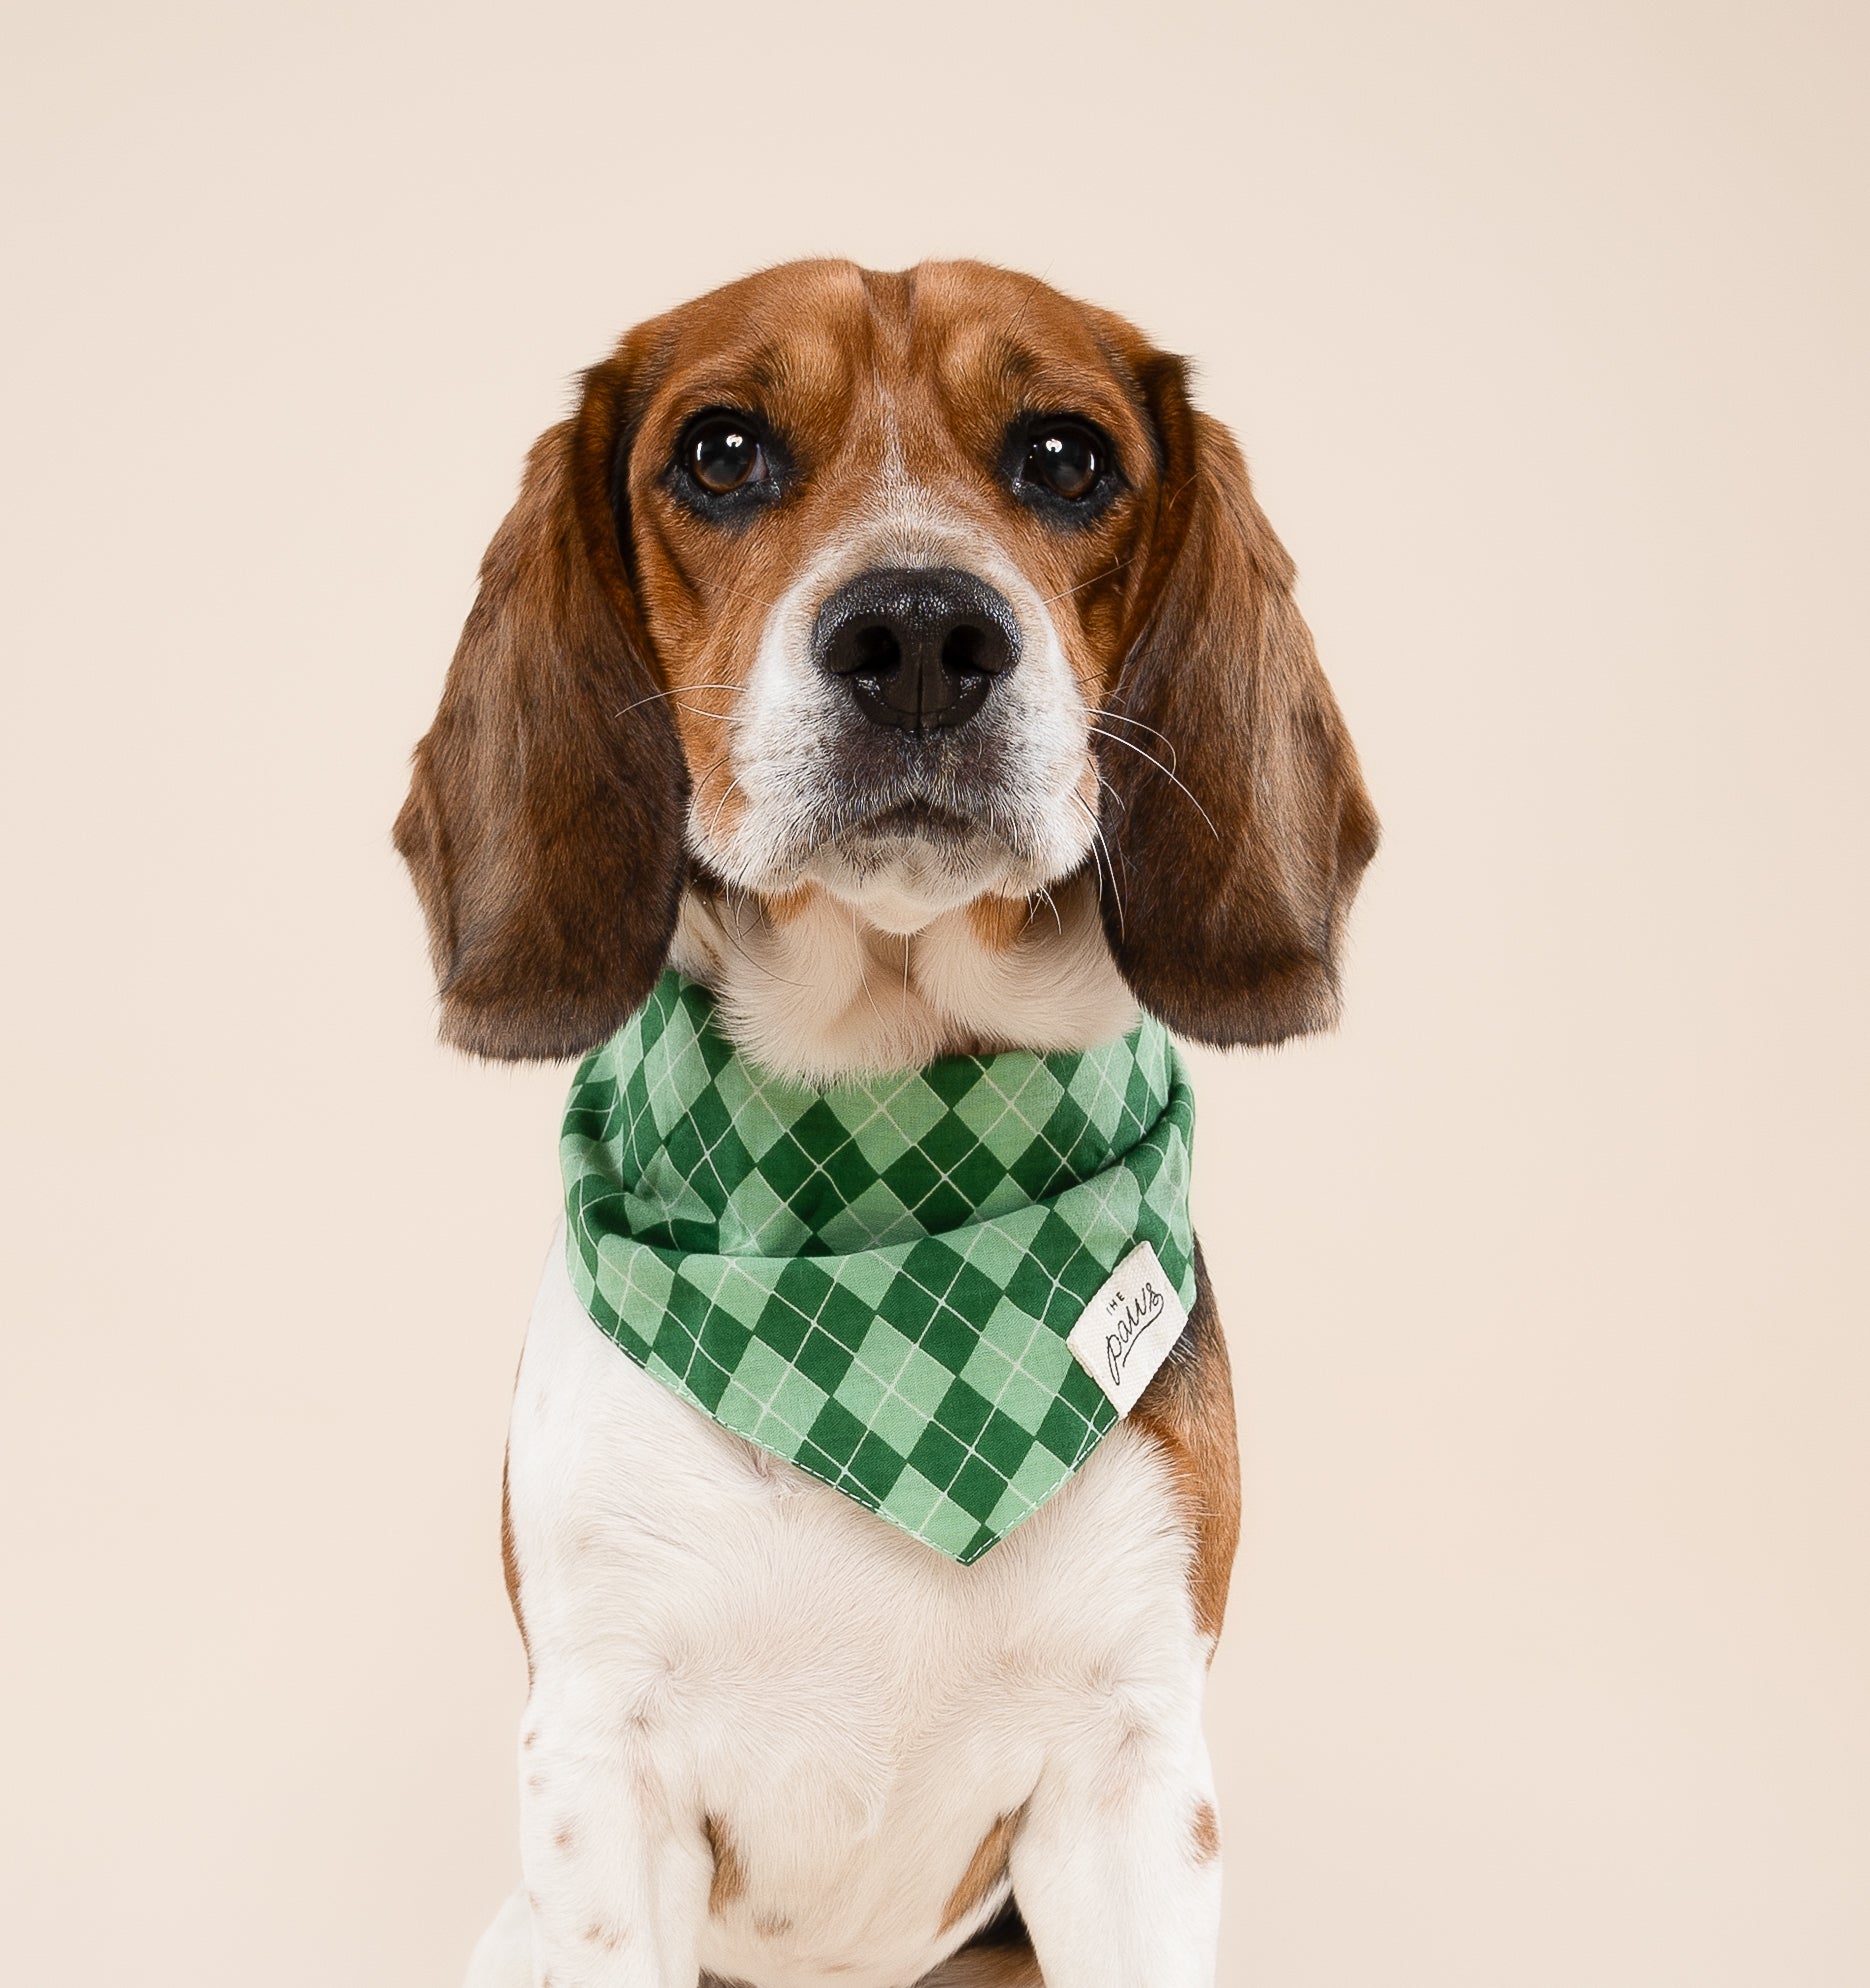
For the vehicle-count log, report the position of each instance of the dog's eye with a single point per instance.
(725, 455)
(1064, 459)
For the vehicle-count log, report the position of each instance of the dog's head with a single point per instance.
(912, 589)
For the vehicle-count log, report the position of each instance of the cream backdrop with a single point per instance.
(1549, 1660)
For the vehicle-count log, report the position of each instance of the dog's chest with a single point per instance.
(850, 1710)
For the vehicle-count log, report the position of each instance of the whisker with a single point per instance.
(727, 792)
(1101, 849)
(1124, 718)
(680, 690)
(738, 901)
(864, 973)
(1091, 582)
(1166, 773)
(707, 773)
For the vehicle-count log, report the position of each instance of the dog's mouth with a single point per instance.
(908, 856)
(916, 819)
(897, 824)
(945, 798)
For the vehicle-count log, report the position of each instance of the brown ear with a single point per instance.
(544, 821)
(1234, 814)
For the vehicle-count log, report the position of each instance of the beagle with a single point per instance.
(906, 661)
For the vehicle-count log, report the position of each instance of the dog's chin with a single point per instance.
(903, 868)
(907, 864)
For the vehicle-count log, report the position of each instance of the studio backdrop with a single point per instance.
(1543, 329)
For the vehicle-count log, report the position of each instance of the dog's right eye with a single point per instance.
(725, 454)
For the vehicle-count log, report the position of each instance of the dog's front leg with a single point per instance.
(617, 1882)
(1117, 1869)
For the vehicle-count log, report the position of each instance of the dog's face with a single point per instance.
(883, 535)
(912, 590)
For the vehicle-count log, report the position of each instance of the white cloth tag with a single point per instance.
(1128, 1328)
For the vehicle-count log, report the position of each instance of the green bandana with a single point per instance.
(877, 1281)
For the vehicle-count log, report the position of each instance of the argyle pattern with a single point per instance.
(875, 1280)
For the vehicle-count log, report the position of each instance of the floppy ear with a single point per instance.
(1236, 853)
(544, 821)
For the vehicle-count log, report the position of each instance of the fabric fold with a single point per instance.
(875, 1280)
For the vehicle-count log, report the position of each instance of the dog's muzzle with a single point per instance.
(919, 647)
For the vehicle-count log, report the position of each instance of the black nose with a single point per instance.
(917, 645)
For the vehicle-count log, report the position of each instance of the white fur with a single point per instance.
(713, 1634)
(825, 993)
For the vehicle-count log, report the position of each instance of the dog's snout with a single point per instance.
(918, 646)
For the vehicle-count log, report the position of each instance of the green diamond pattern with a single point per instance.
(875, 1280)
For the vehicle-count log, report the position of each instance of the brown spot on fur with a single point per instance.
(986, 1871)
(999, 922)
(1205, 1833)
(563, 1837)
(730, 1876)
(771, 1925)
(597, 1934)
(1188, 1408)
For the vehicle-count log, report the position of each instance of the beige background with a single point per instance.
(1550, 1655)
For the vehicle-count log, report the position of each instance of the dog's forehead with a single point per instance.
(951, 345)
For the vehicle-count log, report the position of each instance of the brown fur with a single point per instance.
(1235, 855)
(999, 922)
(730, 1877)
(1000, 1955)
(544, 820)
(1204, 1834)
(986, 1871)
(595, 684)
(1012, 1966)
(1188, 1407)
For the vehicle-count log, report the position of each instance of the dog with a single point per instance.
(905, 659)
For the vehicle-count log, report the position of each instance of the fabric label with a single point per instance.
(1128, 1328)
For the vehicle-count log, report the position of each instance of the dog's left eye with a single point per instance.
(724, 455)
(1062, 466)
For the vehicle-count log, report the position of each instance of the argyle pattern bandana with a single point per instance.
(875, 1280)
